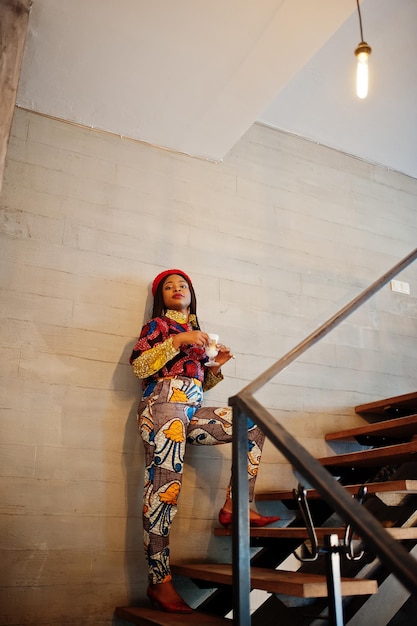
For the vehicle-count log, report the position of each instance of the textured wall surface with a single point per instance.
(277, 238)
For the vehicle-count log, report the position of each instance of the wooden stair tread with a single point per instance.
(398, 453)
(400, 427)
(404, 404)
(300, 532)
(277, 581)
(390, 486)
(145, 616)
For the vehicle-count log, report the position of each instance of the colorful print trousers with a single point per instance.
(170, 416)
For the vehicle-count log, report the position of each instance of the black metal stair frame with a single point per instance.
(392, 555)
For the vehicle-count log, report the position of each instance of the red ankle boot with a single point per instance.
(179, 606)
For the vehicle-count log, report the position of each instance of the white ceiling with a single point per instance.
(193, 76)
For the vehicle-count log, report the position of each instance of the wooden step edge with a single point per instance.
(301, 532)
(146, 616)
(390, 486)
(398, 453)
(282, 582)
(405, 401)
(401, 427)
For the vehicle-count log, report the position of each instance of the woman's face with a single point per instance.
(176, 293)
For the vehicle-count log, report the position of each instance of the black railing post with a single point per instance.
(240, 525)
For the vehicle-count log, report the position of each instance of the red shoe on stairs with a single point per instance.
(178, 606)
(225, 519)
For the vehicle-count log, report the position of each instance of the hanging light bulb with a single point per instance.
(362, 53)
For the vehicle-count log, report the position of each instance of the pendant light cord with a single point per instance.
(360, 18)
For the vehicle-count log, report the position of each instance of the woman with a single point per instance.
(170, 358)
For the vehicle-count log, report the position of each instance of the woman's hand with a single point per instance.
(224, 354)
(192, 337)
(200, 338)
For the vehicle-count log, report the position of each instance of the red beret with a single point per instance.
(162, 275)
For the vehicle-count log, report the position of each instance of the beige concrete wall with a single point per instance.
(277, 239)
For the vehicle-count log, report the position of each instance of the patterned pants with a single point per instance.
(170, 416)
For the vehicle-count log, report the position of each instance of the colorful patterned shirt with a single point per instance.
(155, 357)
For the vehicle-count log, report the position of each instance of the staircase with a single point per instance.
(388, 469)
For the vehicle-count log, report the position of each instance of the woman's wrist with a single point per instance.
(176, 341)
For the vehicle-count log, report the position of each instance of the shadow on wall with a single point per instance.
(133, 470)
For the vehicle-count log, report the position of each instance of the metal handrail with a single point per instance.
(391, 553)
(323, 330)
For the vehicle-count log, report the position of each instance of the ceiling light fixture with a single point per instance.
(362, 53)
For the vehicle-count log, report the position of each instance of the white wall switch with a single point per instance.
(400, 286)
